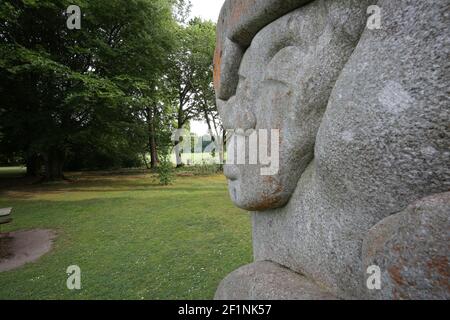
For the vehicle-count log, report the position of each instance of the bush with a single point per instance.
(92, 158)
(165, 171)
(206, 169)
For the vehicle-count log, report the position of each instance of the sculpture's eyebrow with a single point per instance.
(247, 71)
(238, 24)
(269, 76)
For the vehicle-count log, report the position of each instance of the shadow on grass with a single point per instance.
(25, 188)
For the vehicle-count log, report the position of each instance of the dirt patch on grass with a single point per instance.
(21, 247)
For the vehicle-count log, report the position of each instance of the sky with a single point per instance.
(209, 10)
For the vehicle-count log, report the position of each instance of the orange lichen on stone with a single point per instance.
(440, 265)
(239, 9)
(396, 275)
(227, 21)
(270, 200)
(217, 66)
(266, 203)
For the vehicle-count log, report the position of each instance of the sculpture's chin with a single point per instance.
(259, 198)
(233, 192)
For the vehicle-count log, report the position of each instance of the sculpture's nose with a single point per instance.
(236, 114)
(231, 172)
(246, 120)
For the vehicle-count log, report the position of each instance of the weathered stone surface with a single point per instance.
(286, 78)
(412, 249)
(5, 215)
(364, 133)
(239, 22)
(5, 212)
(269, 281)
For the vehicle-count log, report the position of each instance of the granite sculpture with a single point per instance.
(363, 116)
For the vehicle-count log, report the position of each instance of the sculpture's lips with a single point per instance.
(231, 172)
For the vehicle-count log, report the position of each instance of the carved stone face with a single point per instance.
(363, 119)
(285, 79)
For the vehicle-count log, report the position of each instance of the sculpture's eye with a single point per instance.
(275, 88)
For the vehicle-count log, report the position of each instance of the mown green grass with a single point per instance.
(6, 172)
(131, 238)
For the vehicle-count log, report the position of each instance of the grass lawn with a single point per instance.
(6, 172)
(131, 238)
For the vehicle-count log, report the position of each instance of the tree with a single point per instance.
(157, 115)
(60, 88)
(190, 75)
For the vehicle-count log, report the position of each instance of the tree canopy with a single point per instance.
(105, 94)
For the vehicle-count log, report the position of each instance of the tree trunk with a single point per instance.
(224, 144)
(178, 141)
(145, 160)
(152, 139)
(153, 156)
(177, 148)
(208, 122)
(220, 144)
(33, 163)
(54, 162)
(153, 150)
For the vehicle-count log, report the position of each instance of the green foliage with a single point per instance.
(190, 73)
(166, 173)
(204, 169)
(207, 169)
(62, 89)
(104, 95)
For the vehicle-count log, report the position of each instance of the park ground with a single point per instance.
(132, 238)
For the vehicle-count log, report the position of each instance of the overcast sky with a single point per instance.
(206, 9)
